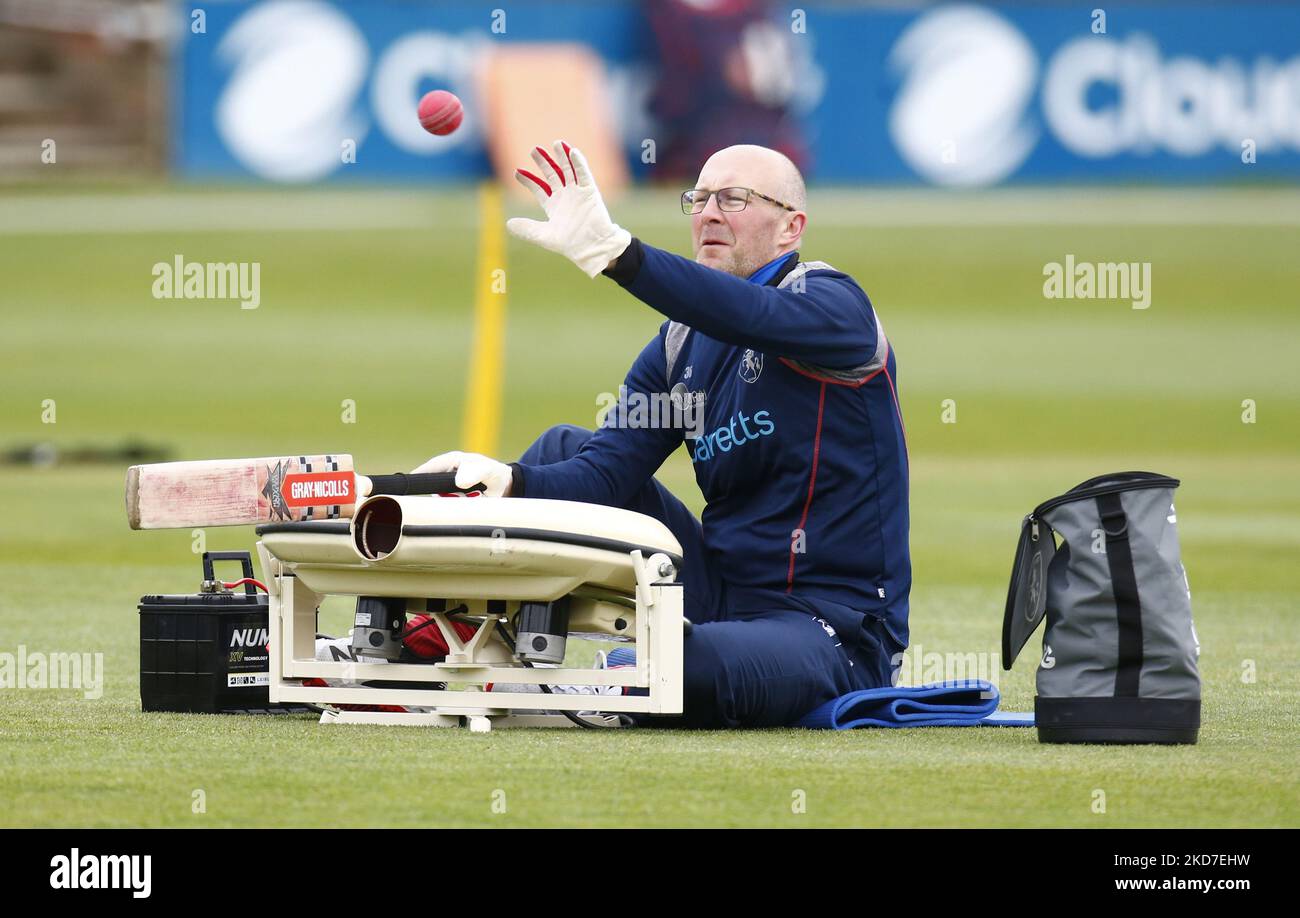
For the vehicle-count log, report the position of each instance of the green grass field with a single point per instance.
(367, 295)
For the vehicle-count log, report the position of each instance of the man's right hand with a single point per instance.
(577, 224)
(472, 469)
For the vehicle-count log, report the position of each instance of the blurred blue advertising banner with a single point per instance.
(956, 95)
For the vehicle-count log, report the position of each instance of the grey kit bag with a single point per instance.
(1120, 651)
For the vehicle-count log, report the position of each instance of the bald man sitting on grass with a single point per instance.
(797, 577)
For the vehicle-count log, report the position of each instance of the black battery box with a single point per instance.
(207, 652)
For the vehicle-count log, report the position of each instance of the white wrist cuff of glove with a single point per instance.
(598, 257)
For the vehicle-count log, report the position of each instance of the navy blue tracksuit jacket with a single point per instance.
(798, 575)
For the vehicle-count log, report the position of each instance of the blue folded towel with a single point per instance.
(969, 703)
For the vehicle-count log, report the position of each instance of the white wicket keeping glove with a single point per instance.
(472, 469)
(577, 224)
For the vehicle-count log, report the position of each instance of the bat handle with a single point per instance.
(423, 483)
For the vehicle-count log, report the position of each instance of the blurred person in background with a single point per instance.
(726, 75)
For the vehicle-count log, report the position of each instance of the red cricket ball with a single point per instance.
(440, 112)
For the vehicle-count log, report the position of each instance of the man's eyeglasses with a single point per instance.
(729, 199)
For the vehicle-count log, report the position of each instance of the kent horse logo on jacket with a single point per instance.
(751, 365)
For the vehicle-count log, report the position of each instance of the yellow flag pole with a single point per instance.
(482, 418)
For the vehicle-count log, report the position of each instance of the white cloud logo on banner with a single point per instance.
(297, 69)
(1181, 105)
(960, 116)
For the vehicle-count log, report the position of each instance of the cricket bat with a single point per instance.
(243, 492)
